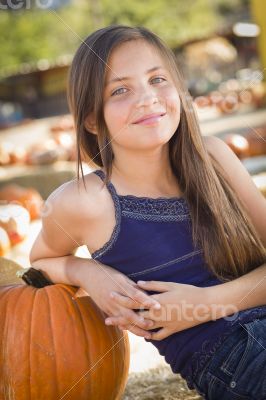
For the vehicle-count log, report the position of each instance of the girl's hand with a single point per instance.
(102, 280)
(182, 306)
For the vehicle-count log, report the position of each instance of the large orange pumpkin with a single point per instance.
(56, 347)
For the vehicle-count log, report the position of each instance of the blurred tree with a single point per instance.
(32, 33)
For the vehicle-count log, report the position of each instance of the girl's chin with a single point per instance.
(155, 140)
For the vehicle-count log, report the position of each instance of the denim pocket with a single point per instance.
(219, 390)
(235, 361)
(239, 368)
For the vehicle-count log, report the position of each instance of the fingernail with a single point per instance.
(112, 294)
(147, 337)
(141, 282)
(157, 306)
(108, 322)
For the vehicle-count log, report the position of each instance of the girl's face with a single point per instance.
(142, 90)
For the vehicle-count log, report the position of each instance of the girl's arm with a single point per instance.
(242, 293)
(250, 289)
(52, 250)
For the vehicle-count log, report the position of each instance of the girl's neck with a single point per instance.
(147, 182)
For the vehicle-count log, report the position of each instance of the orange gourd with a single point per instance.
(56, 347)
(26, 197)
(238, 144)
(15, 220)
(257, 141)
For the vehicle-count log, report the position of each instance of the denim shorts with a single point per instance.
(237, 369)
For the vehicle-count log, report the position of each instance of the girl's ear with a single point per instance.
(90, 124)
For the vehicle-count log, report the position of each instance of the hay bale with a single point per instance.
(8, 272)
(158, 383)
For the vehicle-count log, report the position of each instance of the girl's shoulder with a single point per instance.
(77, 198)
(68, 218)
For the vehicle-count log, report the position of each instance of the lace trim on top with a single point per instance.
(149, 209)
(142, 208)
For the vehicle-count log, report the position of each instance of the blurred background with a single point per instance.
(220, 46)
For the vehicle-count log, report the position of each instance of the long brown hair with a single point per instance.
(220, 223)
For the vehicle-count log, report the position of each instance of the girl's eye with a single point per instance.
(158, 77)
(118, 91)
(122, 90)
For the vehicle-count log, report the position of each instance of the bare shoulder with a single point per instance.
(212, 143)
(77, 197)
(222, 153)
(73, 206)
(67, 216)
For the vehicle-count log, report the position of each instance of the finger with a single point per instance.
(154, 315)
(129, 317)
(157, 286)
(153, 323)
(115, 321)
(161, 334)
(124, 300)
(144, 299)
(132, 304)
(136, 330)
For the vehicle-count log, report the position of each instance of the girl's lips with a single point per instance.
(151, 120)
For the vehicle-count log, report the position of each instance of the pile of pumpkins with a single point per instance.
(59, 146)
(18, 207)
(232, 95)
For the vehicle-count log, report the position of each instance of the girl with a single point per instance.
(176, 210)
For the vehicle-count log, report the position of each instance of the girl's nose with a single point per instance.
(147, 97)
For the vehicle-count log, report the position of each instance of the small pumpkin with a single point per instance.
(56, 347)
(29, 198)
(15, 219)
(238, 144)
(63, 124)
(257, 141)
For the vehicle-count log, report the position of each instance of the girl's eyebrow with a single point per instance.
(126, 78)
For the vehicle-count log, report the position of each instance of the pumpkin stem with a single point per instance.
(34, 277)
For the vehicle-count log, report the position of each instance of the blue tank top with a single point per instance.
(152, 240)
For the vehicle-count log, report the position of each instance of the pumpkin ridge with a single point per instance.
(99, 363)
(93, 322)
(51, 328)
(67, 289)
(31, 340)
(7, 384)
(17, 300)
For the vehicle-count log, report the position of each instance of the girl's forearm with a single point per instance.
(239, 294)
(70, 270)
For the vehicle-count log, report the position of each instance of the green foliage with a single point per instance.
(32, 34)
